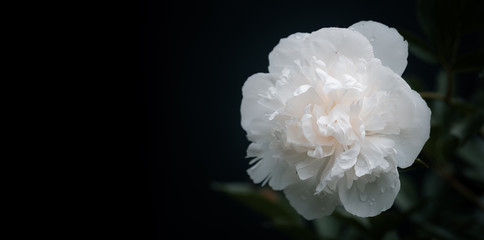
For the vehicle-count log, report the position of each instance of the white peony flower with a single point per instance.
(332, 120)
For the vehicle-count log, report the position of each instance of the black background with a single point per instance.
(193, 60)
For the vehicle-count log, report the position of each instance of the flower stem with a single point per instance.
(432, 95)
(468, 107)
(450, 86)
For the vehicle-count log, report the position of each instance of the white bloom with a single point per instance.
(332, 120)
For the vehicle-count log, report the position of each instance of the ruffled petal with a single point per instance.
(308, 168)
(333, 119)
(388, 45)
(282, 176)
(254, 115)
(288, 50)
(326, 45)
(376, 154)
(273, 171)
(301, 196)
(368, 199)
(262, 169)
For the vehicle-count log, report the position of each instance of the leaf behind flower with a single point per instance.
(271, 205)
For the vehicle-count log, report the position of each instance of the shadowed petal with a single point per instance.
(301, 197)
(377, 196)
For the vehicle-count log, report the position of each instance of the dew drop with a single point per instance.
(372, 39)
(383, 189)
(371, 203)
(363, 197)
(298, 36)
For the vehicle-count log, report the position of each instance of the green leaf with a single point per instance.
(391, 235)
(407, 198)
(359, 224)
(436, 230)
(470, 62)
(432, 185)
(468, 126)
(384, 222)
(473, 154)
(255, 199)
(327, 227)
(270, 204)
(439, 107)
(426, 17)
(419, 48)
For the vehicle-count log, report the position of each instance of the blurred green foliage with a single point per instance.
(442, 194)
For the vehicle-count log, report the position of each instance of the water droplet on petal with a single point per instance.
(383, 189)
(363, 197)
(372, 39)
(371, 203)
(298, 36)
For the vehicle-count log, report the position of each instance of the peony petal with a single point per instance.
(376, 152)
(404, 106)
(296, 105)
(377, 196)
(272, 170)
(411, 140)
(347, 159)
(301, 196)
(288, 50)
(308, 168)
(333, 119)
(329, 44)
(282, 176)
(256, 149)
(388, 45)
(254, 118)
(262, 169)
(325, 45)
(382, 78)
(302, 89)
(362, 166)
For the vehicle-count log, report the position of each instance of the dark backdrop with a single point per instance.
(194, 59)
